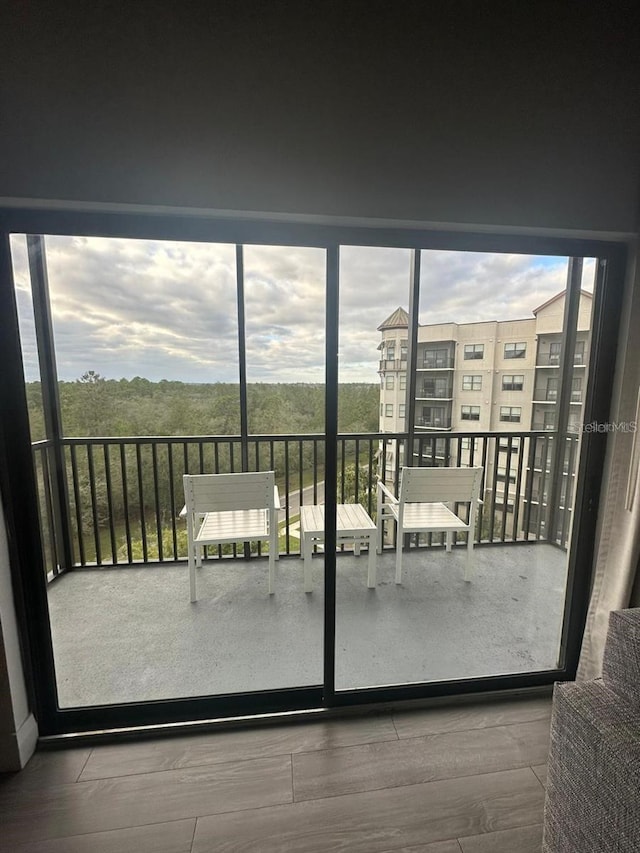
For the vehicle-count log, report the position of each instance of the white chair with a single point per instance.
(226, 508)
(427, 499)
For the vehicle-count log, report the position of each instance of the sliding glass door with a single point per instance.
(480, 361)
(334, 357)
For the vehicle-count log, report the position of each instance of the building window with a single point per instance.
(401, 410)
(470, 413)
(518, 350)
(433, 416)
(390, 382)
(548, 420)
(555, 351)
(510, 413)
(438, 388)
(578, 357)
(576, 390)
(388, 410)
(403, 350)
(551, 392)
(472, 383)
(465, 444)
(391, 351)
(437, 358)
(502, 474)
(507, 445)
(474, 351)
(512, 382)
(403, 381)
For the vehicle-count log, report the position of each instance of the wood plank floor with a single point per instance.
(464, 779)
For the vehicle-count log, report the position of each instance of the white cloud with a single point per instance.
(168, 310)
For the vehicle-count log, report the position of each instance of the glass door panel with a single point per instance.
(284, 290)
(146, 366)
(492, 389)
(372, 422)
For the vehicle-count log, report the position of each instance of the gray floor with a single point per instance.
(131, 634)
(458, 779)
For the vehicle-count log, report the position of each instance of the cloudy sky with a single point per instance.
(167, 310)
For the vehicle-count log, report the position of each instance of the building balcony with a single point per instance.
(392, 364)
(434, 394)
(434, 423)
(546, 395)
(540, 425)
(128, 587)
(131, 634)
(546, 359)
(437, 364)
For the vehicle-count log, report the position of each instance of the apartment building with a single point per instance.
(499, 376)
(481, 377)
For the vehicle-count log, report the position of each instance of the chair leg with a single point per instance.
(468, 569)
(272, 569)
(192, 573)
(449, 540)
(380, 525)
(372, 565)
(307, 549)
(399, 539)
(273, 556)
(276, 537)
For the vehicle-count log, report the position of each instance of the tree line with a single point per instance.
(95, 406)
(142, 486)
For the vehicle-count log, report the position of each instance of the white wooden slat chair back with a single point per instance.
(427, 504)
(226, 492)
(440, 485)
(226, 508)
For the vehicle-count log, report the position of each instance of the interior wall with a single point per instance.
(18, 731)
(499, 114)
(487, 113)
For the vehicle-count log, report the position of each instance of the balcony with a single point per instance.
(548, 359)
(129, 587)
(392, 364)
(426, 393)
(437, 363)
(541, 425)
(238, 636)
(433, 423)
(542, 394)
(550, 395)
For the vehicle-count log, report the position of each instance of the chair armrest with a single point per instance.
(276, 497)
(387, 492)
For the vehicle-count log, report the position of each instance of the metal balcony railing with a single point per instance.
(124, 494)
(437, 363)
(431, 393)
(434, 423)
(392, 364)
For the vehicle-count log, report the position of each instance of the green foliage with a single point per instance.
(95, 406)
(111, 482)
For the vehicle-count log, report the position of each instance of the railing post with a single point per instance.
(570, 328)
(50, 397)
(242, 372)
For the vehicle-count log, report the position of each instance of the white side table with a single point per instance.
(353, 525)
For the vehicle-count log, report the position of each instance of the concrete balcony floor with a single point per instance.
(131, 634)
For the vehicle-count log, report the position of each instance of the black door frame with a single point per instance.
(18, 488)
